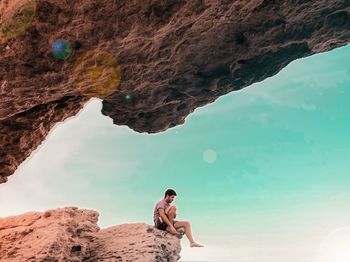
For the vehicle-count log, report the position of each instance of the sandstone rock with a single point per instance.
(72, 234)
(136, 242)
(174, 56)
(49, 236)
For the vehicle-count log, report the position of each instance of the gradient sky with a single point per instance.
(262, 174)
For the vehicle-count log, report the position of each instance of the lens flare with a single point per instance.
(96, 74)
(16, 17)
(128, 98)
(209, 156)
(61, 49)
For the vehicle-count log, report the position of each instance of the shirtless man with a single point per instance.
(164, 214)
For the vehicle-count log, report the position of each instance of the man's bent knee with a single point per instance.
(182, 223)
(171, 209)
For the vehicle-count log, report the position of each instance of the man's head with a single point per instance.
(169, 195)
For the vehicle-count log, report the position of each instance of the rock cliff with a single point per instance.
(152, 62)
(72, 234)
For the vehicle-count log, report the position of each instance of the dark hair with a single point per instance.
(170, 192)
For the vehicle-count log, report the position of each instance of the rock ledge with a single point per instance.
(72, 234)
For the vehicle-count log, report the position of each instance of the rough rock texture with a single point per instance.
(72, 234)
(174, 56)
(24, 132)
(136, 242)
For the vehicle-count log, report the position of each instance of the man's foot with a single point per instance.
(181, 232)
(195, 244)
(179, 235)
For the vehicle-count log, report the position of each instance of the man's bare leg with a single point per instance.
(171, 213)
(188, 232)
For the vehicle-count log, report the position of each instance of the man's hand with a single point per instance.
(173, 231)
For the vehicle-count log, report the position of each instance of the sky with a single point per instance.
(261, 173)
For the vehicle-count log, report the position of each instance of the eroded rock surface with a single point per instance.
(136, 242)
(72, 234)
(174, 56)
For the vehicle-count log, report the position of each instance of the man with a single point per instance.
(164, 214)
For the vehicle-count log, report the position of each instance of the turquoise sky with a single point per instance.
(262, 173)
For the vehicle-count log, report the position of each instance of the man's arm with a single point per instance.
(164, 217)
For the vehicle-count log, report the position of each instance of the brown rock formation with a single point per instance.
(174, 56)
(72, 234)
(24, 132)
